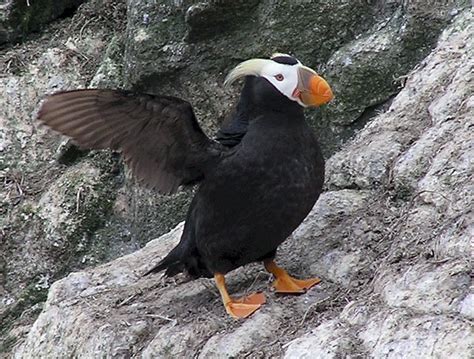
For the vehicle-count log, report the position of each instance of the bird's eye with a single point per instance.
(279, 77)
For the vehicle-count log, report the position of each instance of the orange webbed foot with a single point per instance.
(254, 298)
(284, 283)
(292, 285)
(245, 306)
(241, 307)
(241, 310)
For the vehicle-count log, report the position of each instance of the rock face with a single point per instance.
(363, 48)
(391, 238)
(63, 210)
(48, 212)
(19, 17)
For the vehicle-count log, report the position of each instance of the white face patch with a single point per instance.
(283, 77)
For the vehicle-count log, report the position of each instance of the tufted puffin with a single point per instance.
(257, 180)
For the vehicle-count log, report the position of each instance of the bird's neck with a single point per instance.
(251, 105)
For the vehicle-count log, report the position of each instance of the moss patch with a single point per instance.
(31, 295)
(29, 16)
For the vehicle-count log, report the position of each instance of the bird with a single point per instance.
(257, 179)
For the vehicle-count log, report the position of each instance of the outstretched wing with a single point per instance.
(158, 136)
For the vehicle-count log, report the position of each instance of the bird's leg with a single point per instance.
(238, 308)
(284, 283)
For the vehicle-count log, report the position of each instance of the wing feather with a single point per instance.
(158, 136)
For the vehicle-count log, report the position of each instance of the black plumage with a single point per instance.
(259, 192)
(158, 136)
(257, 181)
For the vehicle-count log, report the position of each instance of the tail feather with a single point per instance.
(183, 258)
(172, 263)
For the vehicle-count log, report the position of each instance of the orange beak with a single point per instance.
(312, 89)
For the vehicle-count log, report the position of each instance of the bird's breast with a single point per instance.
(273, 164)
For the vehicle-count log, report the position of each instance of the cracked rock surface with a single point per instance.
(391, 239)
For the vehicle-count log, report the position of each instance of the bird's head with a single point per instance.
(288, 76)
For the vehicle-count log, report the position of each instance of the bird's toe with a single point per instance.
(291, 285)
(241, 310)
(254, 298)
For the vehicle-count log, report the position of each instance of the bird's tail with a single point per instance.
(172, 263)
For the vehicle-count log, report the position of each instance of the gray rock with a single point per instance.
(391, 238)
(328, 341)
(47, 212)
(246, 338)
(422, 283)
(110, 72)
(400, 335)
(184, 50)
(438, 288)
(370, 69)
(18, 18)
(394, 257)
(73, 297)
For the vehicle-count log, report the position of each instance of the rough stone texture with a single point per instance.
(391, 239)
(62, 209)
(369, 69)
(49, 213)
(415, 159)
(391, 235)
(20, 17)
(329, 340)
(364, 49)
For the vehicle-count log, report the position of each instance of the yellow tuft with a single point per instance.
(277, 54)
(250, 67)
